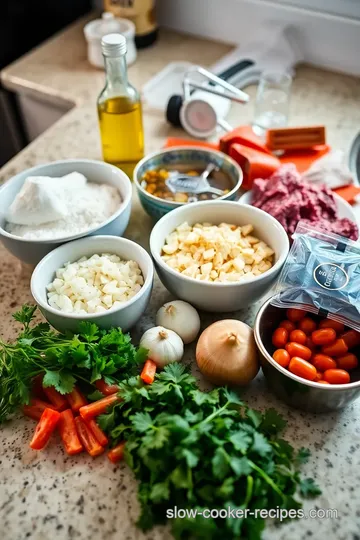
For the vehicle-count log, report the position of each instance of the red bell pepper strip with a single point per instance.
(58, 401)
(97, 431)
(148, 372)
(76, 399)
(44, 429)
(98, 407)
(106, 389)
(68, 433)
(86, 436)
(35, 408)
(116, 454)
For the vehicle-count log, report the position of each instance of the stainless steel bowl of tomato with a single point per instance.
(310, 362)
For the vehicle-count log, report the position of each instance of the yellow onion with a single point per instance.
(226, 353)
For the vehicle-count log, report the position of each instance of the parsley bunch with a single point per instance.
(204, 450)
(63, 359)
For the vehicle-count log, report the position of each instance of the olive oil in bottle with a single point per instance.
(119, 109)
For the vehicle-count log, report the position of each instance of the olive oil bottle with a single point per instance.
(119, 109)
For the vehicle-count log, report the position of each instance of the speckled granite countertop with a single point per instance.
(47, 495)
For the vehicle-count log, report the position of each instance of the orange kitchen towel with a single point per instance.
(178, 141)
(244, 137)
(348, 193)
(304, 158)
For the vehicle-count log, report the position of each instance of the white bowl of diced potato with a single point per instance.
(54, 288)
(220, 256)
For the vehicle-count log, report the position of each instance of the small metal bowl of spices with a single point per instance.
(170, 178)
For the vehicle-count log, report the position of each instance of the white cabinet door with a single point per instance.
(38, 115)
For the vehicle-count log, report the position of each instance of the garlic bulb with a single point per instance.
(180, 317)
(164, 345)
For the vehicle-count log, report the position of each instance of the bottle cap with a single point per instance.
(113, 45)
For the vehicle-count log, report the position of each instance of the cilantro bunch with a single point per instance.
(63, 359)
(193, 449)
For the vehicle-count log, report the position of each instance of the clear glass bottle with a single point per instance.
(119, 109)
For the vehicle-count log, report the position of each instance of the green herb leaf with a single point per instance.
(200, 398)
(160, 492)
(141, 422)
(62, 381)
(303, 455)
(191, 459)
(107, 421)
(232, 397)
(255, 417)
(180, 477)
(240, 466)
(272, 422)
(241, 441)
(88, 331)
(25, 314)
(260, 445)
(220, 463)
(308, 488)
(95, 396)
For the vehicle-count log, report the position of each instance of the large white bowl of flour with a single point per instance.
(100, 207)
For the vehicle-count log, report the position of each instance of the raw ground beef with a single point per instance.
(290, 199)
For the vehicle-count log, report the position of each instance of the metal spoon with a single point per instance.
(184, 183)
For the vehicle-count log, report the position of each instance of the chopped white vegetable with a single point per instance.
(94, 285)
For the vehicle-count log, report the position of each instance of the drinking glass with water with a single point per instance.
(272, 102)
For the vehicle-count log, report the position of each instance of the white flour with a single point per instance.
(86, 207)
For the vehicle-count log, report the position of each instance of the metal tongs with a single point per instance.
(185, 183)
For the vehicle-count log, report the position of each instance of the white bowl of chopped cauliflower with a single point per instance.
(102, 279)
(220, 256)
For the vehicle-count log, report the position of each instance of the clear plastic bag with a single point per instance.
(322, 275)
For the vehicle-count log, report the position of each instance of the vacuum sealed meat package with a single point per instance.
(322, 275)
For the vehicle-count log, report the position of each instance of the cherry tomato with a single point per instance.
(296, 349)
(351, 338)
(290, 326)
(282, 357)
(307, 325)
(298, 336)
(295, 315)
(323, 362)
(348, 361)
(339, 348)
(302, 368)
(309, 344)
(336, 376)
(318, 377)
(324, 336)
(329, 323)
(280, 338)
(322, 382)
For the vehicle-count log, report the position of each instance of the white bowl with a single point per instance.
(32, 251)
(219, 297)
(124, 316)
(343, 207)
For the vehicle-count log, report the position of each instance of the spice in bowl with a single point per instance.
(217, 253)
(95, 284)
(156, 183)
